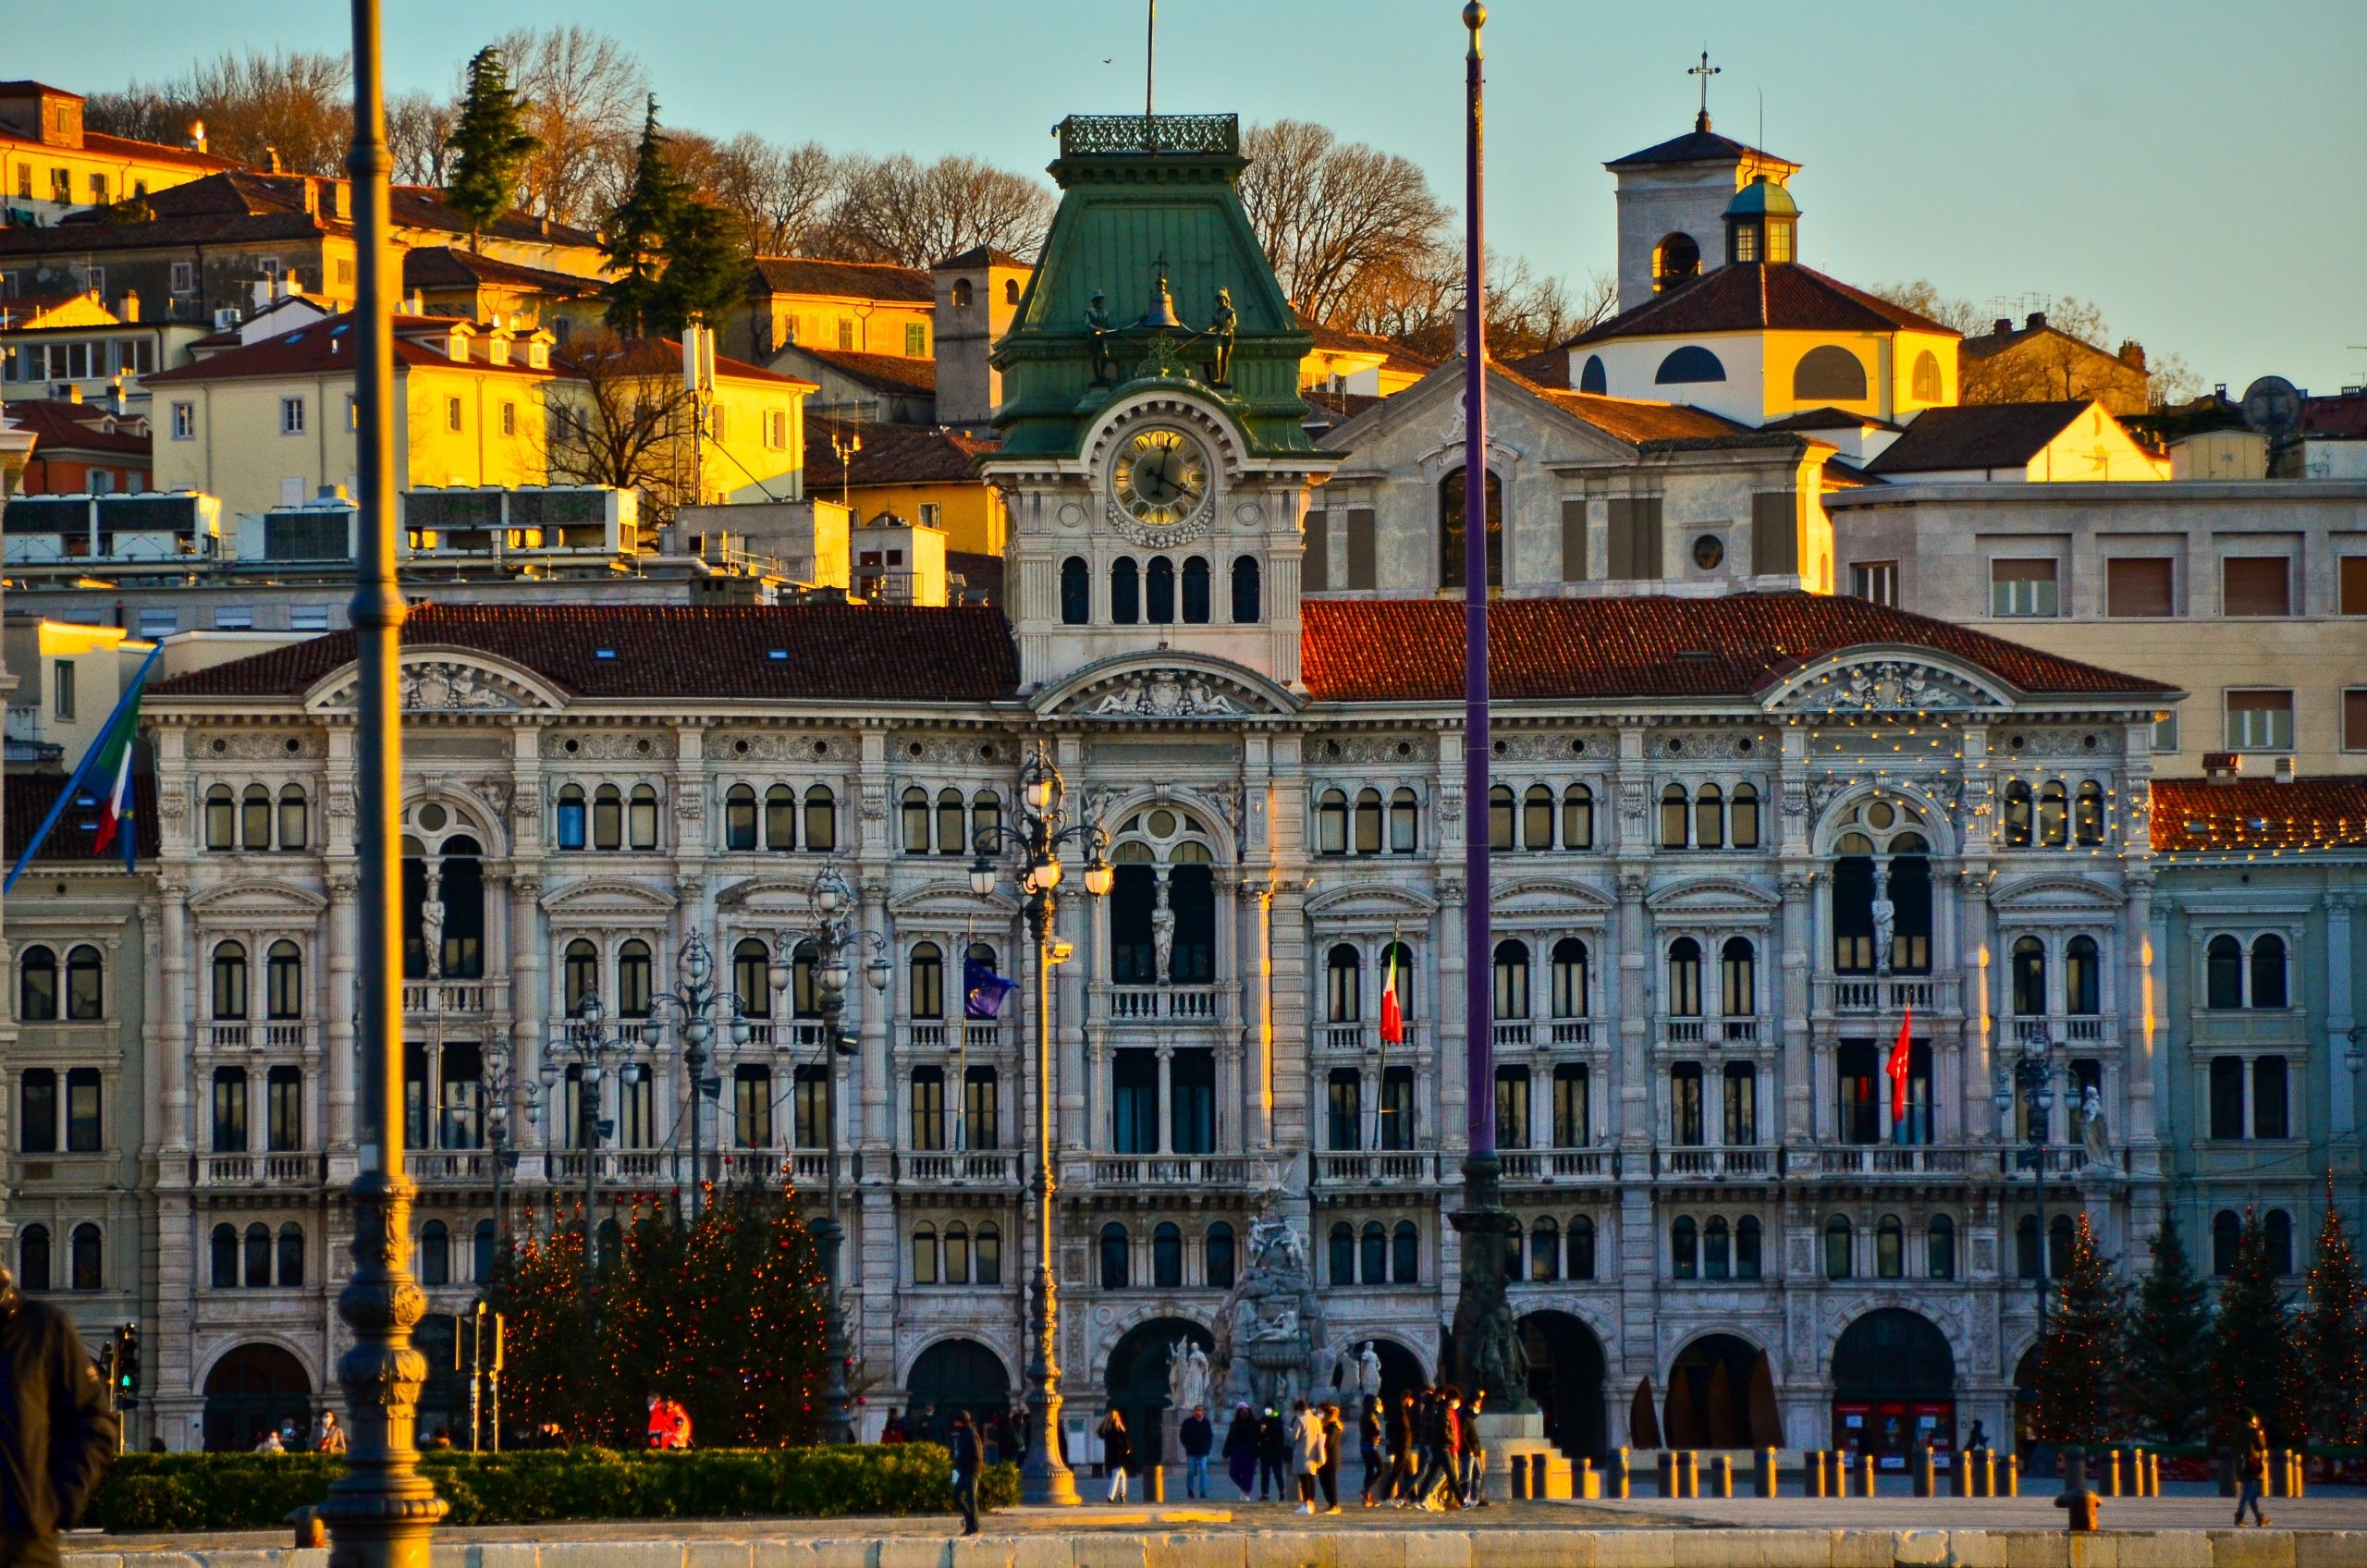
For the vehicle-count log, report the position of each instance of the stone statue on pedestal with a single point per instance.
(1270, 1326)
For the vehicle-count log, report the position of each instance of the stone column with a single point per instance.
(1797, 923)
(2342, 1086)
(168, 1019)
(1973, 920)
(1257, 1034)
(878, 1099)
(529, 1014)
(2139, 1011)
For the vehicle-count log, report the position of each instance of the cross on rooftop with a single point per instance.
(1705, 70)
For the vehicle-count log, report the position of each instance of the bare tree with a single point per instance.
(418, 126)
(584, 93)
(620, 417)
(292, 106)
(900, 210)
(1327, 212)
(1419, 304)
(779, 194)
(1924, 298)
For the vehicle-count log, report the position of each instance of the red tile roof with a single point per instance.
(855, 280)
(837, 652)
(1411, 650)
(2259, 816)
(2334, 419)
(1974, 435)
(888, 372)
(1755, 296)
(77, 427)
(981, 256)
(166, 233)
(326, 346)
(454, 266)
(29, 797)
(892, 454)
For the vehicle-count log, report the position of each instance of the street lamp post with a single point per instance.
(2032, 1079)
(598, 1052)
(503, 1083)
(1034, 846)
(694, 1004)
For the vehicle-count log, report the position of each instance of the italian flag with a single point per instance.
(109, 768)
(1392, 1016)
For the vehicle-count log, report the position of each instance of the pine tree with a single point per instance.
(2336, 1334)
(706, 267)
(2255, 1363)
(2168, 1354)
(636, 232)
(489, 147)
(2079, 1356)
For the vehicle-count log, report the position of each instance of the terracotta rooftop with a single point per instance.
(2256, 815)
(81, 426)
(1976, 436)
(29, 797)
(892, 454)
(855, 280)
(327, 346)
(1411, 650)
(2334, 419)
(166, 233)
(982, 257)
(1755, 297)
(101, 144)
(881, 372)
(454, 266)
(834, 652)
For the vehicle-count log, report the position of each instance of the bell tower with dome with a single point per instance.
(1154, 455)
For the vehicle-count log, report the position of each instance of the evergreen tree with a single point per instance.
(2079, 1366)
(2168, 1356)
(2254, 1364)
(707, 267)
(635, 235)
(2336, 1334)
(489, 147)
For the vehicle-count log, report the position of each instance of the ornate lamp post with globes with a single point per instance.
(2032, 1079)
(1035, 845)
(600, 1051)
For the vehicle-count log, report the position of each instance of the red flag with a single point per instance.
(1393, 1017)
(1897, 1068)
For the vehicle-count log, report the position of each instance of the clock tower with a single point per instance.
(1153, 451)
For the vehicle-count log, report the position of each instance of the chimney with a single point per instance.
(197, 136)
(546, 222)
(73, 391)
(337, 193)
(2132, 354)
(2004, 326)
(2037, 321)
(2222, 767)
(2284, 770)
(271, 160)
(311, 196)
(116, 402)
(128, 308)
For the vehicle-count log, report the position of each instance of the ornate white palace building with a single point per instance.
(1744, 832)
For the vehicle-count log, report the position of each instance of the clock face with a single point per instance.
(1160, 476)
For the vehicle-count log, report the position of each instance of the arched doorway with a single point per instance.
(953, 1376)
(1894, 1386)
(1136, 1383)
(1565, 1379)
(2026, 1412)
(1722, 1394)
(252, 1387)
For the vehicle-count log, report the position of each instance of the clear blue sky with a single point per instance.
(2195, 168)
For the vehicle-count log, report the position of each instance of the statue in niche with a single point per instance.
(431, 928)
(2093, 1136)
(1162, 932)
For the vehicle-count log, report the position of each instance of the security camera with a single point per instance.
(1064, 952)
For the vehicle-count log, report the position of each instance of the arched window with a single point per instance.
(821, 820)
(1159, 590)
(957, 1254)
(740, 817)
(1577, 818)
(1404, 1254)
(2018, 815)
(224, 1271)
(1746, 1247)
(582, 965)
(1368, 824)
(1536, 819)
(985, 818)
(751, 978)
(1890, 1247)
(607, 818)
(2224, 973)
(986, 1254)
(254, 817)
(1125, 591)
(1340, 1253)
(37, 985)
(2082, 975)
(1716, 1245)
(951, 809)
(2054, 820)
(914, 812)
(1404, 823)
(567, 818)
(1451, 501)
(1593, 378)
(221, 818)
(284, 983)
(961, 293)
(1344, 987)
(1940, 1248)
(1829, 374)
(229, 980)
(1581, 1254)
(1676, 259)
(1010, 291)
(1513, 1251)
(1195, 591)
(1837, 1239)
(481, 1251)
(2030, 977)
(33, 1264)
(2268, 972)
(1216, 1256)
(292, 818)
(780, 819)
(1689, 365)
(258, 1257)
(1076, 591)
(1684, 978)
(1673, 815)
(1245, 608)
(1569, 978)
(2087, 813)
(927, 997)
(291, 1255)
(1743, 814)
(1331, 822)
(1709, 818)
(1738, 978)
(85, 1260)
(1372, 1253)
(643, 816)
(923, 1254)
(1500, 817)
(1924, 385)
(1683, 1248)
(1544, 1250)
(634, 977)
(1512, 980)
(2277, 1231)
(1397, 975)
(2226, 1240)
(85, 985)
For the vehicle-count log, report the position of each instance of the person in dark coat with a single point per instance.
(1368, 1431)
(1274, 1448)
(57, 1433)
(2251, 1467)
(1401, 1451)
(1241, 1450)
(1117, 1453)
(966, 1473)
(1327, 1474)
(1197, 1437)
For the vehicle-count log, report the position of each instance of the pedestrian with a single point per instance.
(328, 1436)
(1368, 1435)
(966, 1473)
(269, 1442)
(1401, 1449)
(1241, 1450)
(1334, 1430)
(924, 1427)
(1436, 1489)
(1198, 1437)
(1274, 1448)
(893, 1432)
(2252, 1466)
(1474, 1456)
(660, 1423)
(1307, 1451)
(1117, 1451)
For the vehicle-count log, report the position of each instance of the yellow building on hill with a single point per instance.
(925, 476)
(50, 165)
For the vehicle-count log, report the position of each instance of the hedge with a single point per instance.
(257, 1491)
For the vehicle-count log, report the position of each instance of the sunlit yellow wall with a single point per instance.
(970, 513)
(1888, 359)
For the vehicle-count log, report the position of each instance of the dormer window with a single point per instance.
(538, 355)
(497, 350)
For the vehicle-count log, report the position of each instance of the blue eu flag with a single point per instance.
(983, 990)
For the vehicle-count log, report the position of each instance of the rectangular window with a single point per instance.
(1635, 537)
(1574, 540)
(352, 411)
(1315, 565)
(159, 623)
(452, 414)
(2021, 588)
(752, 1107)
(981, 1109)
(776, 430)
(1874, 580)
(1685, 1126)
(1396, 1117)
(2166, 732)
(184, 278)
(1572, 1116)
(1345, 1108)
(184, 422)
(291, 416)
(509, 419)
(1858, 1075)
(1192, 1101)
(722, 424)
(2259, 722)
(2140, 585)
(307, 618)
(2353, 593)
(285, 1109)
(2269, 1118)
(82, 1110)
(1774, 533)
(809, 1095)
(2256, 585)
(37, 1111)
(1742, 1104)
(846, 333)
(2354, 719)
(1134, 1102)
(2227, 1097)
(915, 340)
(61, 685)
(230, 1110)
(928, 1108)
(234, 618)
(1512, 1108)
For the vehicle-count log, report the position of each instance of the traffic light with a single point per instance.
(126, 1360)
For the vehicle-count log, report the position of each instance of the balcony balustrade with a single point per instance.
(1177, 1004)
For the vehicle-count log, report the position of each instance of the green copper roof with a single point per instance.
(1762, 198)
(1143, 198)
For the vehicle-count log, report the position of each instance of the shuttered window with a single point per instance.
(1574, 540)
(2255, 586)
(1774, 534)
(2139, 587)
(1363, 571)
(1315, 570)
(1634, 536)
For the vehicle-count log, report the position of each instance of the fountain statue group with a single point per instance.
(1270, 1345)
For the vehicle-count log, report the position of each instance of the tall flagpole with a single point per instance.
(1486, 1344)
(382, 1511)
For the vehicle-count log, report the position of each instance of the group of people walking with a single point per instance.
(1419, 1449)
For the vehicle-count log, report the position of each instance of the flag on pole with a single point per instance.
(1392, 1015)
(983, 990)
(1898, 1067)
(105, 771)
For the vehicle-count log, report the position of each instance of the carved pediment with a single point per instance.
(1382, 901)
(261, 901)
(1887, 681)
(2049, 892)
(1168, 686)
(608, 898)
(1698, 896)
(448, 680)
(1551, 896)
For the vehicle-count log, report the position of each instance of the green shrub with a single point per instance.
(246, 1491)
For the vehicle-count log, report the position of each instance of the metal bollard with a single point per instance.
(2108, 1478)
(1520, 1477)
(1664, 1471)
(2153, 1475)
(1766, 1476)
(2226, 1472)
(2278, 1482)
(2010, 1477)
(1926, 1474)
(1154, 1483)
(2300, 1471)
(1616, 1483)
(1812, 1472)
(1977, 1473)
(1689, 1474)
(1866, 1479)
(2073, 1463)
(1586, 1481)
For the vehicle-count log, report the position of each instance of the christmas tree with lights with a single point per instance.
(2078, 1368)
(2335, 1329)
(2168, 1351)
(2255, 1362)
